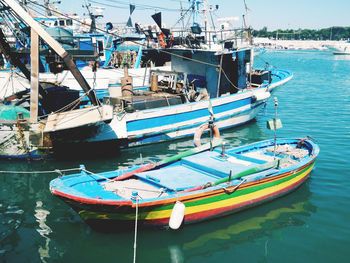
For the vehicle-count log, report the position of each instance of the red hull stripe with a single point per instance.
(89, 200)
(170, 201)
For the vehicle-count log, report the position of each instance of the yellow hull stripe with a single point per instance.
(231, 201)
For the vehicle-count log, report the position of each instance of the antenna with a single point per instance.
(274, 124)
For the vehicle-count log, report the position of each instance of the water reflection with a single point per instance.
(20, 213)
(209, 238)
(341, 57)
(44, 230)
(11, 218)
(244, 227)
(176, 255)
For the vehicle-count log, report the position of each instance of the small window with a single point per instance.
(61, 22)
(69, 22)
(55, 24)
(100, 47)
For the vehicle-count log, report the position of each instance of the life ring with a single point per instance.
(201, 129)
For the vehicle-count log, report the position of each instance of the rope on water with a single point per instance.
(41, 172)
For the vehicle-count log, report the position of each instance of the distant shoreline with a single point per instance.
(294, 44)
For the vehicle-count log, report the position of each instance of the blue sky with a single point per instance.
(273, 14)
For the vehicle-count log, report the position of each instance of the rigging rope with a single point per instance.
(73, 105)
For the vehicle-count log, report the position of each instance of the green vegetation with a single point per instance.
(332, 33)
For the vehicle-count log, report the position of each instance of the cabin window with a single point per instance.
(61, 22)
(55, 24)
(69, 22)
(100, 47)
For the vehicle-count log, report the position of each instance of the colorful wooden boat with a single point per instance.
(203, 183)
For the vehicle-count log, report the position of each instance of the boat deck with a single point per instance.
(200, 169)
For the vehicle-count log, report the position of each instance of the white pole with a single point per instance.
(34, 75)
(136, 216)
(275, 128)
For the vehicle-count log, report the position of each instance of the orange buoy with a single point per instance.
(161, 39)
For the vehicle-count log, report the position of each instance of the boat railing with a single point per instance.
(212, 37)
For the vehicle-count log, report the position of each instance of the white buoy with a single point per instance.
(177, 215)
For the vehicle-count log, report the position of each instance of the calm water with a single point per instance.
(309, 225)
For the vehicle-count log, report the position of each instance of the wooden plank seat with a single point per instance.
(177, 178)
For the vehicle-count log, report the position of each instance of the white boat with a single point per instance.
(201, 84)
(172, 112)
(343, 48)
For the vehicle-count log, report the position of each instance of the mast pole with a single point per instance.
(34, 75)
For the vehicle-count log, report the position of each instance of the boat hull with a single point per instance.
(21, 140)
(153, 125)
(161, 124)
(279, 78)
(200, 206)
(340, 49)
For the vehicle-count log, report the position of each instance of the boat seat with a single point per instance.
(212, 163)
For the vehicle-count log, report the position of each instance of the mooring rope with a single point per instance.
(41, 172)
(97, 175)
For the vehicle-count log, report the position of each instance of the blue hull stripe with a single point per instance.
(181, 117)
(161, 136)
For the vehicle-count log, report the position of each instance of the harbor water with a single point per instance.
(308, 225)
